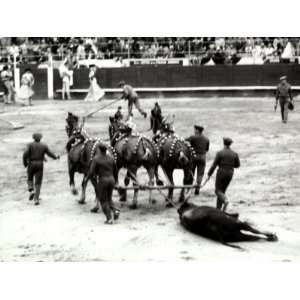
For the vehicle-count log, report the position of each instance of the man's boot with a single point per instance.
(31, 194)
(197, 189)
(37, 194)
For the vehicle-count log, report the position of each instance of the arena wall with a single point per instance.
(174, 76)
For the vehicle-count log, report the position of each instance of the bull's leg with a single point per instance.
(71, 178)
(271, 237)
(133, 171)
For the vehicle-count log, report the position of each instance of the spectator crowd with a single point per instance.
(199, 50)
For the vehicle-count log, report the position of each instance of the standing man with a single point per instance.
(104, 167)
(7, 79)
(33, 160)
(226, 160)
(284, 95)
(130, 94)
(200, 143)
(156, 118)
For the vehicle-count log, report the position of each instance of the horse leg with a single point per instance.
(169, 174)
(83, 190)
(122, 192)
(186, 178)
(158, 180)
(71, 178)
(96, 207)
(271, 237)
(151, 173)
(132, 173)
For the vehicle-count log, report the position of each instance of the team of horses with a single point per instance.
(165, 150)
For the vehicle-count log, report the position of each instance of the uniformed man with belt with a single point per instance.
(130, 94)
(200, 143)
(33, 160)
(284, 95)
(226, 160)
(104, 167)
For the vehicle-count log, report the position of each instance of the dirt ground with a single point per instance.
(265, 190)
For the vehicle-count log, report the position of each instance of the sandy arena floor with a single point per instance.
(265, 190)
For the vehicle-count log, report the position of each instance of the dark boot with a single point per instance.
(197, 191)
(31, 195)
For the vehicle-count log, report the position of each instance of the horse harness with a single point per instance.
(176, 139)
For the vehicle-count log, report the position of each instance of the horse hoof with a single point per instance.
(81, 202)
(181, 199)
(116, 214)
(272, 237)
(159, 183)
(133, 206)
(109, 222)
(169, 205)
(126, 181)
(123, 199)
(94, 210)
(74, 192)
(196, 191)
(152, 201)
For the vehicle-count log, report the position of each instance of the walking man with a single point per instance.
(156, 118)
(200, 143)
(33, 160)
(103, 166)
(130, 94)
(284, 95)
(226, 160)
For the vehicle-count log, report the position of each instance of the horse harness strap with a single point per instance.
(96, 143)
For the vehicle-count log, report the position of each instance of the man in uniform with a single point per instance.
(200, 143)
(226, 160)
(130, 94)
(103, 166)
(284, 95)
(33, 160)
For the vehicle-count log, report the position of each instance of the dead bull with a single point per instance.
(220, 226)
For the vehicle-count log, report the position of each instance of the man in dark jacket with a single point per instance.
(226, 160)
(200, 143)
(103, 166)
(284, 95)
(33, 160)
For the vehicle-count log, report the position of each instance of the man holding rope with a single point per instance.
(131, 96)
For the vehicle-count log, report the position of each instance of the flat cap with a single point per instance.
(198, 127)
(227, 141)
(37, 136)
(283, 77)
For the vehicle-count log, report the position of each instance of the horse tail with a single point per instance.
(146, 149)
(183, 158)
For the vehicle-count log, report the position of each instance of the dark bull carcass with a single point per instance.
(220, 226)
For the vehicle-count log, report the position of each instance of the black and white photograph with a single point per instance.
(123, 148)
(169, 145)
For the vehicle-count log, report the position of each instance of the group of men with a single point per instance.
(226, 159)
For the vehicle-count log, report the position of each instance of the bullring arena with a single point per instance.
(265, 189)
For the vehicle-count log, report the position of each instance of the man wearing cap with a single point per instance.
(284, 95)
(226, 160)
(130, 94)
(104, 167)
(33, 160)
(118, 114)
(200, 143)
